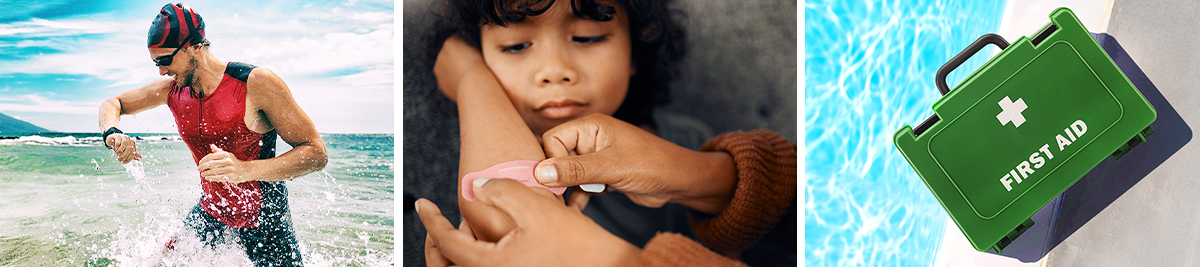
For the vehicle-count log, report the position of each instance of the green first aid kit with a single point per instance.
(1023, 128)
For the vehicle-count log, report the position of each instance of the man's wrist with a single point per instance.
(109, 131)
(251, 168)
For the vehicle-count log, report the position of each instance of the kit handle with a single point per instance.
(964, 55)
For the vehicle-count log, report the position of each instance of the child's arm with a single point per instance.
(490, 128)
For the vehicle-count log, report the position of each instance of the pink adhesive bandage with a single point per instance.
(520, 170)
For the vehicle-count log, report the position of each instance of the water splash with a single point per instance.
(69, 205)
(135, 169)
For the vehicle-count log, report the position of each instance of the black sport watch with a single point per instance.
(110, 131)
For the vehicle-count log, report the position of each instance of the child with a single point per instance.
(519, 68)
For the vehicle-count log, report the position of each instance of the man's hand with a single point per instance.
(649, 170)
(453, 61)
(221, 166)
(124, 147)
(546, 234)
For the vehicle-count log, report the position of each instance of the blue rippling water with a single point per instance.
(64, 201)
(869, 70)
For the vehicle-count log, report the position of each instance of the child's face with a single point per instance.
(556, 67)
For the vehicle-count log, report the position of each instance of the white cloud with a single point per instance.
(116, 56)
(323, 42)
(339, 62)
(37, 27)
(41, 104)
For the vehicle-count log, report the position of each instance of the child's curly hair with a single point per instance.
(659, 42)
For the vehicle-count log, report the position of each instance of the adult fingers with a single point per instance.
(128, 143)
(524, 205)
(560, 141)
(217, 174)
(212, 157)
(117, 140)
(453, 244)
(579, 136)
(120, 147)
(122, 156)
(595, 168)
(579, 200)
(466, 228)
(126, 154)
(433, 257)
(214, 162)
(589, 132)
(117, 146)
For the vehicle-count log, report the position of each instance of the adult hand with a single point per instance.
(546, 234)
(453, 62)
(649, 170)
(221, 166)
(123, 146)
(433, 254)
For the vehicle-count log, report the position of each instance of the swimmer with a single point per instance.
(229, 114)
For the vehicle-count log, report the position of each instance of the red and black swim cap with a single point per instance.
(176, 25)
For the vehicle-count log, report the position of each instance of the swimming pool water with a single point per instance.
(869, 70)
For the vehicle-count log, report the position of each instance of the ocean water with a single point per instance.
(870, 68)
(66, 201)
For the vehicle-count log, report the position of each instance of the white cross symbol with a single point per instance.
(1011, 111)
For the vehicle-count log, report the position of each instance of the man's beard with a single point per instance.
(189, 76)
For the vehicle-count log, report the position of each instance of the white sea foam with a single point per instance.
(51, 141)
(84, 141)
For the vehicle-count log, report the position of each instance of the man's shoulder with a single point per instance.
(162, 83)
(262, 83)
(259, 77)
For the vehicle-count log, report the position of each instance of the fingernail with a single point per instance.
(479, 182)
(592, 188)
(417, 206)
(546, 173)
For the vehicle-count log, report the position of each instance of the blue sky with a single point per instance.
(60, 59)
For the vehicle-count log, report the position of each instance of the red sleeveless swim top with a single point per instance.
(219, 118)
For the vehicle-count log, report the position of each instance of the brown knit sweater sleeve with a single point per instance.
(766, 166)
(671, 249)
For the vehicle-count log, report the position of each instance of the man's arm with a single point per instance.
(132, 102)
(274, 99)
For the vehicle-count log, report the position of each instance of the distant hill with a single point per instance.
(11, 125)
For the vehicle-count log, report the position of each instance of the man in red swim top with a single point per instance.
(228, 114)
